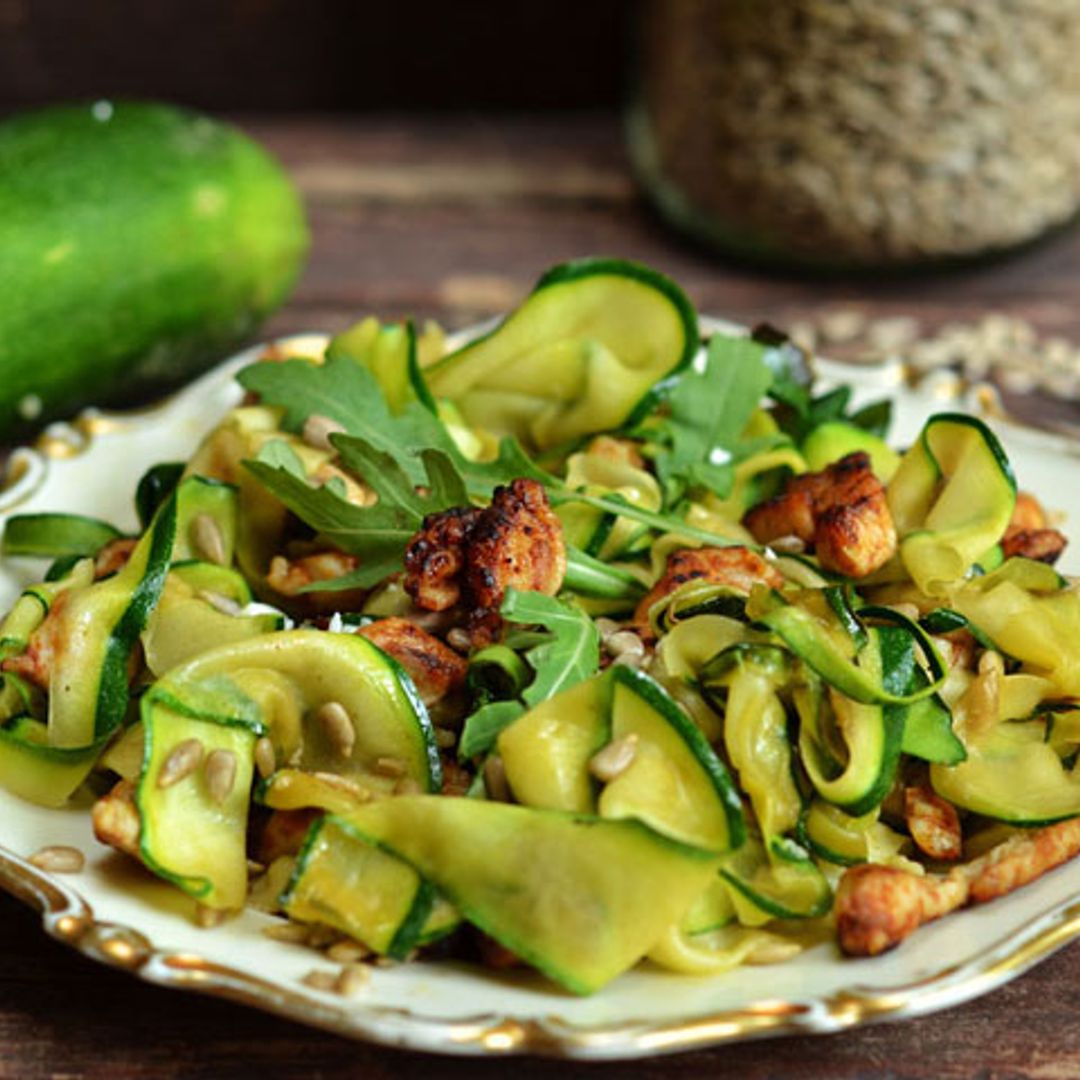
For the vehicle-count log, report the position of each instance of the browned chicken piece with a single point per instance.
(284, 833)
(435, 669)
(840, 512)
(1028, 532)
(470, 556)
(1044, 545)
(933, 823)
(288, 577)
(115, 818)
(878, 906)
(435, 558)
(737, 567)
(114, 556)
(456, 780)
(517, 543)
(621, 451)
(1023, 858)
(1028, 514)
(791, 513)
(957, 648)
(45, 643)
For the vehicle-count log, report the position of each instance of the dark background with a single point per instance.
(319, 55)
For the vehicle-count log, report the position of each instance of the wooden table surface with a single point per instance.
(453, 218)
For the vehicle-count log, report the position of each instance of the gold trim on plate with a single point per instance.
(69, 918)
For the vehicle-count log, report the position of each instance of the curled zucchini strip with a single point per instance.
(580, 355)
(951, 500)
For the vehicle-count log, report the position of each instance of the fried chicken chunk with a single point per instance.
(878, 906)
(471, 556)
(115, 818)
(1028, 533)
(435, 669)
(45, 644)
(933, 823)
(737, 567)
(435, 558)
(839, 512)
(289, 577)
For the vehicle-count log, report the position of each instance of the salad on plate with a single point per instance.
(582, 644)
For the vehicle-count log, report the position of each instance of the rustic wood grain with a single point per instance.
(453, 218)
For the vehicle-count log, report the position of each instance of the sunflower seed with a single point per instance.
(615, 758)
(265, 758)
(208, 540)
(351, 979)
(390, 767)
(343, 783)
(320, 980)
(183, 760)
(318, 429)
(625, 643)
(288, 932)
(220, 774)
(58, 859)
(346, 952)
(337, 726)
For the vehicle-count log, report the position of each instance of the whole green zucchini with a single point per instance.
(139, 243)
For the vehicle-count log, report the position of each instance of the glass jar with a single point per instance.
(859, 133)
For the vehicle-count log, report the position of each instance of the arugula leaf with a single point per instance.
(377, 534)
(710, 409)
(349, 393)
(570, 654)
(377, 446)
(485, 725)
(798, 411)
(339, 388)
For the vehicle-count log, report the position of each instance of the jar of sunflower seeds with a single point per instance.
(859, 133)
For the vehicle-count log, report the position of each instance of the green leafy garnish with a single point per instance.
(709, 411)
(567, 655)
(378, 534)
(377, 446)
(349, 394)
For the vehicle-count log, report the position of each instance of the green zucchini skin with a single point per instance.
(141, 244)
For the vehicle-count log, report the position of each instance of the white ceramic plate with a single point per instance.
(116, 913)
